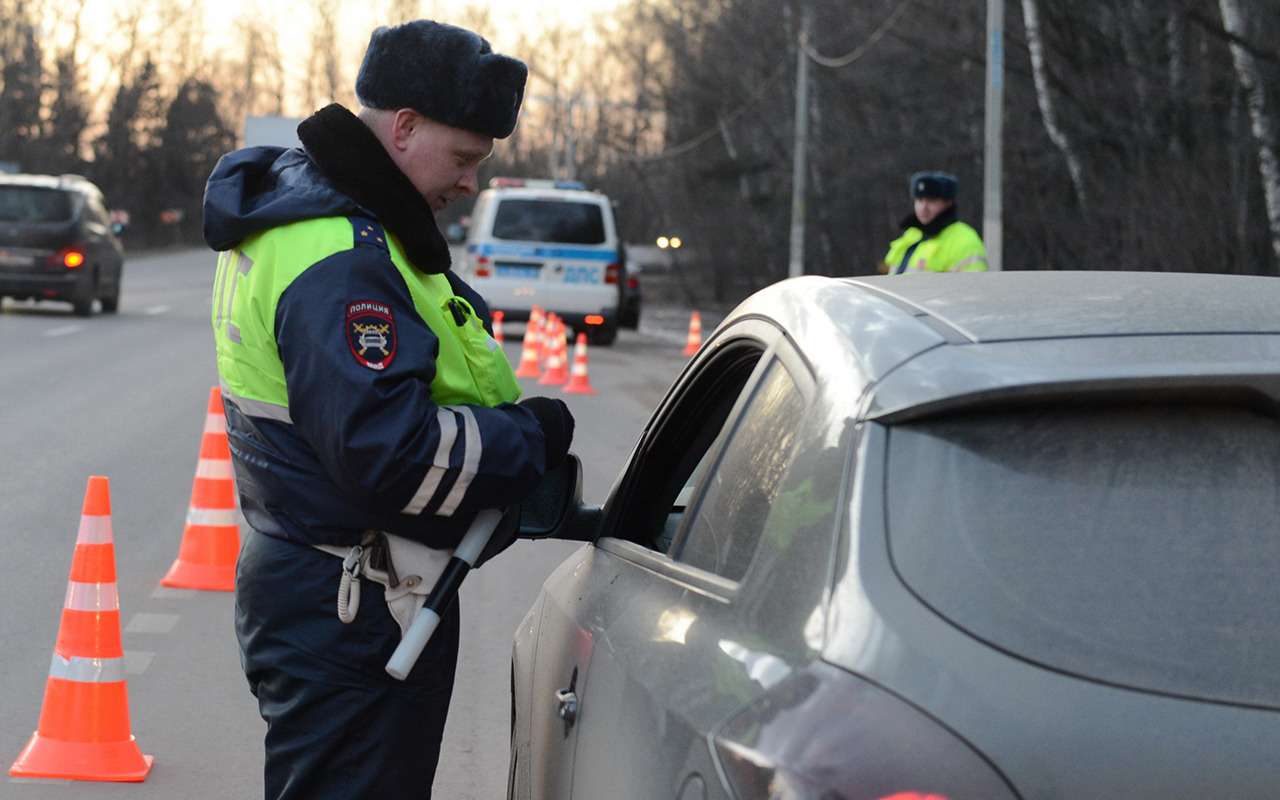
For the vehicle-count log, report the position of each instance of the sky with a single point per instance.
(292, 20)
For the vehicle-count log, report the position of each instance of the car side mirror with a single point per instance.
(555, 509)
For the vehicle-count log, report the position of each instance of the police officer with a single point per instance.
(933, 238)
(364, 393)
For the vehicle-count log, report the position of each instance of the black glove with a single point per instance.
(557, 426)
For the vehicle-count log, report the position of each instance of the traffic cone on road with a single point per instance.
(498, 316)
(536, 322)
(528, 367)
(579, 383)
(211, 538)
(84, 732)
(694, 340)
(557, 371)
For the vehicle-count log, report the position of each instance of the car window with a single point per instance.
(649, 502)
(737, 493)
(549, 221)
(34, 204)
(1135, 544)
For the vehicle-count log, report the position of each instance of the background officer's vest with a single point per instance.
(956, 248)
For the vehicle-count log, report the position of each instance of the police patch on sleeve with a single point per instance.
(371, 333)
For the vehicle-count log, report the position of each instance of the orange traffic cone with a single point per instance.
(211, 538)
(536, 322)
(529, 353)
(498, 316)
(579, 383)
(557, 371)
(84, 732)
(694, 341)
(547, 338)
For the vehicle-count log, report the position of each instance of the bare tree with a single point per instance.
(1044, 99)
(1262, 122)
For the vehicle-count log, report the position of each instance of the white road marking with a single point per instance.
(154, 310)
(165, 593)
(65, 330)
(151, 623)
(137, 661)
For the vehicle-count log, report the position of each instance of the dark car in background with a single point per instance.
(57, 242)
(975, 537)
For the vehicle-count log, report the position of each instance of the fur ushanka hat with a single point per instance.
(445, 73)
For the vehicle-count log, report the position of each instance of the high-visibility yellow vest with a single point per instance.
(956, 248)
(470, 368)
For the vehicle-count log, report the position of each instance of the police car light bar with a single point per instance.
(534, 183)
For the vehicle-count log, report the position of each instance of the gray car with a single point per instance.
(963, 536)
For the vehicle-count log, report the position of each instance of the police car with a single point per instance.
(547, 243)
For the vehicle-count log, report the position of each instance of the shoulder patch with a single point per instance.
(371, 333)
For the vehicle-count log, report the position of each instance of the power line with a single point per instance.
(859, 51)
(712, 132)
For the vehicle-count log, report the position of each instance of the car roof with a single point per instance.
(47, 181)
(910, 345)
(548, 193)
(989, 307)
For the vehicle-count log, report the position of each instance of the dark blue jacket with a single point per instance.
(359, 444)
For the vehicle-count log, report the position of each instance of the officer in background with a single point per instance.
(933, 238)
(364, 393)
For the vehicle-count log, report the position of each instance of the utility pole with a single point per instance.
(798, 165)
(992, 209)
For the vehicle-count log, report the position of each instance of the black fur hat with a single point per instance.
(941, 185)
(443, 72)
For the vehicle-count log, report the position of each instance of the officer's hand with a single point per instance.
(557, 426)
(503, 536)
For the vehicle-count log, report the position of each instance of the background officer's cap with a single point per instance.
(445, 73)
(942, 185)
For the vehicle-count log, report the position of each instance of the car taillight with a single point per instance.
(633, 282)
(69, 257)
(612, 272)
(482, 267)
(593, 319)
(824, 733)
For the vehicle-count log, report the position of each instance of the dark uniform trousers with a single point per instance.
(337, 725)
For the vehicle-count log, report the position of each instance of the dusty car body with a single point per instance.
(972, 536)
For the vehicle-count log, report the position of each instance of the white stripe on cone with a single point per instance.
(215, 468)
(212, 517)
(94, 529)
(91, 597)
(215, 423)
(87, 670)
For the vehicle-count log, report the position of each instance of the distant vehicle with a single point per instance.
(629, 295)
(58, 242)
(272, 131)
(975, 537)
(547, 243)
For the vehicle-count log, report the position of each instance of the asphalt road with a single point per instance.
(124, 396)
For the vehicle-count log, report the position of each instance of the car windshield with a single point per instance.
(1135, 545)
(560, 221)
(34, 204)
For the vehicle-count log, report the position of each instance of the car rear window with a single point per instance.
(1136, 545)
(34, 204)
(561, 221)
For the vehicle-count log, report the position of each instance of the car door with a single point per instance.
(672, 656)
(577, 597)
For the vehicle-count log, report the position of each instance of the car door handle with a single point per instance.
(567, 706)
